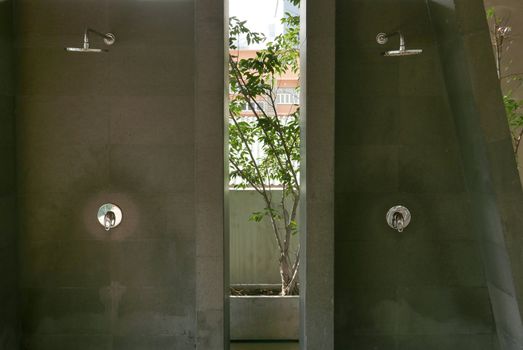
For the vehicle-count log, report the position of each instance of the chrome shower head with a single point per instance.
(81, 49)
(109, 39)
(393, 53)
(382, 38)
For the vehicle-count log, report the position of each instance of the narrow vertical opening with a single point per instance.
(264, 165)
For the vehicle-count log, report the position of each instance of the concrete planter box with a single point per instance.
(264, 317)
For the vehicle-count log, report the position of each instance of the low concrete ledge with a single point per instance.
(264, 317)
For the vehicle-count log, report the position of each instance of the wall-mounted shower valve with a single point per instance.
(398, 217)
(109, 216)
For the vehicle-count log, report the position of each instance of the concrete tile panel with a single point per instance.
(366, 342)
(52, 264)
(8, 173)
(485, 85)
(441, 217)
(367, 79)
(151, 120)
(471, 16)
(151, 23)
(78, 168)
(155, 312)
(55, 72)
(505, 177)
(135, 342)
(67, 342)
(506, 313)
(9, 260)
(62, 311)
(369, 120)
(210, 334)
(452, 342)
(498, 269)
(435, 217)
(135, 71)
(376, 171)
(485, 215)
(7, 121)
(9, 320)
(366, 264)
(361, 216)
(445, 264)
(63, 120)
(420, 74)
(210, 294)
(366, 311)
(425, 120)
(63, 24)
(152, 168)
(428, 169)
(443, 311)
(152, 263)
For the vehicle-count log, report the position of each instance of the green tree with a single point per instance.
(253, 83)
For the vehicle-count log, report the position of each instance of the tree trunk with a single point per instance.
(288, 275)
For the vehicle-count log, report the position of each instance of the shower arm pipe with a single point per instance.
(402, 40)
(108, 38)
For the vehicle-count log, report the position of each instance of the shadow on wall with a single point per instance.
(486, 146)
(9, 320)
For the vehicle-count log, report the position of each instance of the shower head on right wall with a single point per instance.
(383, 38)
(108, 39)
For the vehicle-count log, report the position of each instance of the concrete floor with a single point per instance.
(265, 346)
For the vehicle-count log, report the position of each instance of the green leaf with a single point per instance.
(490, 12)
(257, 216)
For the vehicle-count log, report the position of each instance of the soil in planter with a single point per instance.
(238, 291)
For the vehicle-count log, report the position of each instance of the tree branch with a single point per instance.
(284, 143)
(511, 75)
(268, 201)
(518, 141)
(246, 143)
(253, 104)
(243, 175)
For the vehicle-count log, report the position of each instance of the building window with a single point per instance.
(287, 96)
(262, 104)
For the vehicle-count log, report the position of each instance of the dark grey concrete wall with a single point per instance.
(8, 259)
(114, 127)
(397, 143)
(490, 170)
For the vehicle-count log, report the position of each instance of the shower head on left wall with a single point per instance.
(109, 39)
(382, 38)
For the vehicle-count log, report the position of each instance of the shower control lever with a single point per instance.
(109, 216)
(398, 217)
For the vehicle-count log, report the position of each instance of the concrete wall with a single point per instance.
(317, 96)
(8, 287)
(490, 172)
(399, 141)
(254, 252)
(118, 127)
(211, 178)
